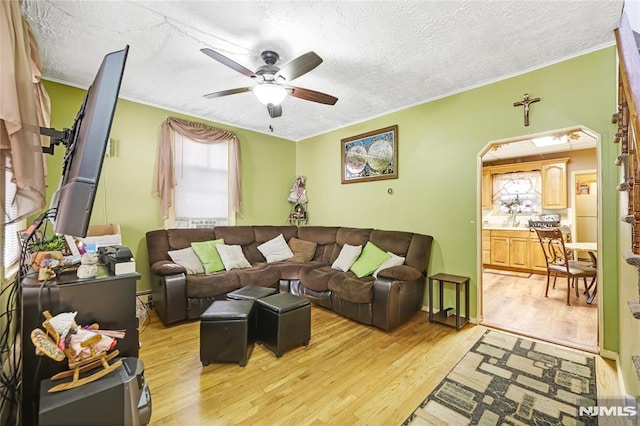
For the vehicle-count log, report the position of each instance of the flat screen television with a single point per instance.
(87, 142)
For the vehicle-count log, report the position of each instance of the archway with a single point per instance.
(512, 280)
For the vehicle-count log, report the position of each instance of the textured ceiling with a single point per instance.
(378, 56)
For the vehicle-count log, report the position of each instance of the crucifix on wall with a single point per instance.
(526, 102)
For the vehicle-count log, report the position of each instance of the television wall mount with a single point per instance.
(57, 137)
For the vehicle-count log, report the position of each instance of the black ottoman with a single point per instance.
(284, 322)
(251, 292)
(227, 331)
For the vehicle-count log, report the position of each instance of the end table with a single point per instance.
(442, 317)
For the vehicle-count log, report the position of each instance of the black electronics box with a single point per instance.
(118, 258)
(122, 397)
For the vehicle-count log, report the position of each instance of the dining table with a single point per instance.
(592, 248)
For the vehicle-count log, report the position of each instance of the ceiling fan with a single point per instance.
(272, 87)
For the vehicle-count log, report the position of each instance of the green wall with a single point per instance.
(437, 192)
(124, 193)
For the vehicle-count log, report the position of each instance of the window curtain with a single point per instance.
(24, 107)
(165, 180)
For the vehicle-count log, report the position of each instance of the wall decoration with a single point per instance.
(370, 156)
(298, 198)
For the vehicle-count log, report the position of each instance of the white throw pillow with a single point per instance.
(232, 257)
(275, 250)
(347, 257)
(394, 260)
(187, 258)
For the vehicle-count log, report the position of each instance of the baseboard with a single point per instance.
(614, 356)
(604, 353)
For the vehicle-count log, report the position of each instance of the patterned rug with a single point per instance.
(508, 380)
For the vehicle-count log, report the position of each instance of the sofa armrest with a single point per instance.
(169, 293)
(401, 273)
(395, 301)
(167, 267)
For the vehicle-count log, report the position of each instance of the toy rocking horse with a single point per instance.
(85, 349)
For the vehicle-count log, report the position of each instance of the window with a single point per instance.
(201, 192)
(11, 249)
(517, 192)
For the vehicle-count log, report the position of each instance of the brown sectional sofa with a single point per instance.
(385, 302)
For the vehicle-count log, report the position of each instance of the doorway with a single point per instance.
(512, 272)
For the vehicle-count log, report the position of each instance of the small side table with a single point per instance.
(453, 320)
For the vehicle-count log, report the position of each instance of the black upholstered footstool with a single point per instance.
(251, 292)
(227, 332)
(284, 322)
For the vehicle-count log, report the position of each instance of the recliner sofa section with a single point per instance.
(385, 302)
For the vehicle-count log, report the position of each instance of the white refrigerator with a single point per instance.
(587, 214)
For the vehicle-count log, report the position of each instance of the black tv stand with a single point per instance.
(109, 300)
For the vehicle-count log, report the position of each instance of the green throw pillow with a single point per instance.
(208, 255)
(370, 259)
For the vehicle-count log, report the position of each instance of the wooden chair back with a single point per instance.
(552, 242)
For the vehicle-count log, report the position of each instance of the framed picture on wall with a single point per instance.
(370, 156)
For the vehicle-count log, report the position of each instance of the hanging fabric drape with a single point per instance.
(24, 107)
(165, 180)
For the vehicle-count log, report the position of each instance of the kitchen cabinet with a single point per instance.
(554, 185)
(510, 248)
(486, 246)
(538, 260)
(487, 189)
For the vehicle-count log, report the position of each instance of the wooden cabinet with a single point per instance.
(519, 252)
(510, 248)
(538, 261)
(500, 251)
(486, 246)
(554, 185)
(487, 189)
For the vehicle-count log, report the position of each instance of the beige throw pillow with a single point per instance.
(187, 258)
(303, 251)
(347, 257)
(275, 249)
(394, 260)
(232, 257)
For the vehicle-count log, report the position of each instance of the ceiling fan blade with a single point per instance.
(299, 66)
(227, 92)
(312, 95)
(228, 62)
(274, 110)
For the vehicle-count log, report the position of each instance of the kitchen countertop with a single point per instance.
(506, 228)
(522, 227)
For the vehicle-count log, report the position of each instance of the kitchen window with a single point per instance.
(517, 193)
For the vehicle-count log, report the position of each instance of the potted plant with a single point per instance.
(53, 247)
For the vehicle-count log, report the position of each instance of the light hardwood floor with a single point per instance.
(349, 374)
(518, 304)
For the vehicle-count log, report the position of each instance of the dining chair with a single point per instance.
(559, 262)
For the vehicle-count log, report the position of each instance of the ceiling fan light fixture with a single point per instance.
(270, 93)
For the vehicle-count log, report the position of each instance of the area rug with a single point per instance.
(506, 380)
(508, 273)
